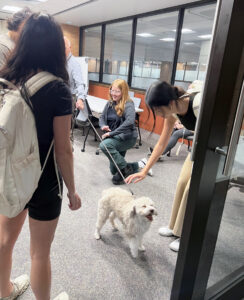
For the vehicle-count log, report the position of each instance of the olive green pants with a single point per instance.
(117, 148)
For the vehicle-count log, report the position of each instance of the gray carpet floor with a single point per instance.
(88, 269)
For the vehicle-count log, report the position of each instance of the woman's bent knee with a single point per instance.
(106, 144)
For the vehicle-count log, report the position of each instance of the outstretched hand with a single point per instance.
(135, 177)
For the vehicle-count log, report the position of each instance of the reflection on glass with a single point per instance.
(229, 250)
(117, 51)
(154, 49)
(195, 44)
(238, 166)
(91, 48)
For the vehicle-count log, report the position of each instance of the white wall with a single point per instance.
(3, 26)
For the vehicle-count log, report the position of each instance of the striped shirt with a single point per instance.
(6, 46)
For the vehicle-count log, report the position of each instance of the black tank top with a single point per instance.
(189, 119)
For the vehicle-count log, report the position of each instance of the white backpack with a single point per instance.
(196, 88)
(20, 167)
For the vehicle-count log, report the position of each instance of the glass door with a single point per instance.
(210, 261)
(228, 259)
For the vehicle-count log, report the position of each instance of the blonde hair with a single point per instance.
(124, 88)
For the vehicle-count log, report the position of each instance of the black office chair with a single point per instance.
(189, 140)
(86, 124)
(137, 102)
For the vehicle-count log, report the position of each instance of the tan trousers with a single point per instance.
(180, 200)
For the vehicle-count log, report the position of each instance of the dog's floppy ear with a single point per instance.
(133, 212)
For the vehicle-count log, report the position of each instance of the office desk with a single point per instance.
(97, 105)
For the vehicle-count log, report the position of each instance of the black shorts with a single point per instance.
(45, 204)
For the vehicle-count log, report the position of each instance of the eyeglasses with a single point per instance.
(115, 92)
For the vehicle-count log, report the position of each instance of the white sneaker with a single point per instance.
(142, 163)
(165, 231)
(62, 296)
(175, 245)
(20, 285)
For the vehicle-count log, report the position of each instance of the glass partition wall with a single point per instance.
(143, 49)
(194, 48)
(154, 49)
(117, 51)
(91, 48)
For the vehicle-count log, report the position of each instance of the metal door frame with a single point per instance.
(207, 195)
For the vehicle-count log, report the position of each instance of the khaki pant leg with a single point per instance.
(183, 180)
(177, 230)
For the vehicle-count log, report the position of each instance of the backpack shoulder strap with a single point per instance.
(36, 82)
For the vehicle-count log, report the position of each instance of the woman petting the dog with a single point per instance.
(168, 102)
(118, 123)
(40, 48)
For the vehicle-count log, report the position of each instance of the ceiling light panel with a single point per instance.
(168, 39)
(205, 36)
(145, 34)
(10, 8)
(185, 30)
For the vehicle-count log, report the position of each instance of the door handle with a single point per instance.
(220, 151)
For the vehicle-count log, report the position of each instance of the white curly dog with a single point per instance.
(136, 215)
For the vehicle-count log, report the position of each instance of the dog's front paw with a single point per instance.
(134, 253)
(97, 235)
(142, 248)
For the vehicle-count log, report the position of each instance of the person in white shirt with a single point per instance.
(8, 40)
(77, 85)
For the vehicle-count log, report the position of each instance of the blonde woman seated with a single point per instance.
(118, 123)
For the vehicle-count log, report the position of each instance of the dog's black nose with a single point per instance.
(152, 211)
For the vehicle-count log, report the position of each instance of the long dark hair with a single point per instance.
(39, 47)
(160, 94)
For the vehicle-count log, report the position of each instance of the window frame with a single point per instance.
(134, 18)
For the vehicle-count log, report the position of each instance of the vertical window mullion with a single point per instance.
(177, 43)
(81, 42)
(132, 51)
(102, 53)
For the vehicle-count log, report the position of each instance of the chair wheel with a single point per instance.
(82, 150)
(97, 152)
(140, 143)
(137, 147)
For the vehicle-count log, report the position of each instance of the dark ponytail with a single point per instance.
(160, 94)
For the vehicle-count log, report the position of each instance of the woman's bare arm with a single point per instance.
(64, 157)
(157, 151)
